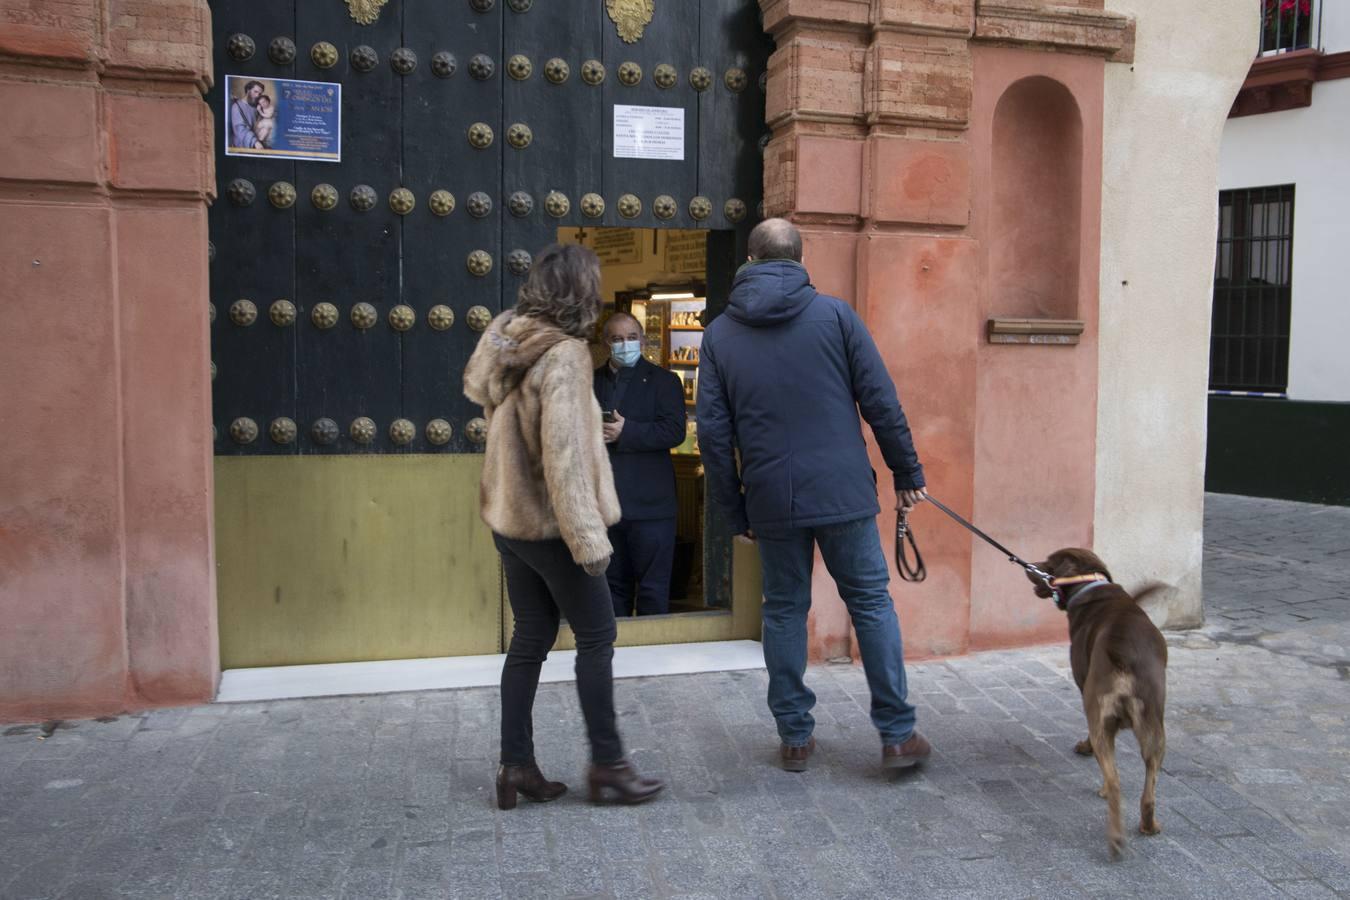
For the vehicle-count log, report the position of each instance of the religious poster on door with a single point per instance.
(283, 119)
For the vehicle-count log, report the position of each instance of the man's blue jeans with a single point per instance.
(854, 558)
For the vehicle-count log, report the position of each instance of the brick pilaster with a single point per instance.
(108, 594)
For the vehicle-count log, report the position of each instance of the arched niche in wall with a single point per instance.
(1035, 225)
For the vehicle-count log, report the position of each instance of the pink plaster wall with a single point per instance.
(62, 542)
(1036, 410)
(921, 302)
(166, 400)
(107, 589)
(919, 297)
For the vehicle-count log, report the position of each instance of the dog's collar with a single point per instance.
(1074, 587)
(1077, 579)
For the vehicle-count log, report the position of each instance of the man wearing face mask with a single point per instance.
(644, 419)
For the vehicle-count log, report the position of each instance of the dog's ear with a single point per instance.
(1080, 561)
(1097, 564)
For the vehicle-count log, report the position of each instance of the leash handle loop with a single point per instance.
(903, 532)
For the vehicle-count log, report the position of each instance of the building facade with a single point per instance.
(1280, 376)
(983, 181)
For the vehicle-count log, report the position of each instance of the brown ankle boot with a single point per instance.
(620, 783)
(527, 780)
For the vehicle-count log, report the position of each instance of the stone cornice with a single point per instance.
(96, 193)
(120, 73)
(781, 16)
(926, 30)
(940, 18)
(1060, 28)
(1334, 65)
(902, 121)
(102, 37)
(820, 117)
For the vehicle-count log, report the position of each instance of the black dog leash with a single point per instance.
(917, 572)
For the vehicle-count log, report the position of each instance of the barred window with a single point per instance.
(1249, 343)
(1289, 25)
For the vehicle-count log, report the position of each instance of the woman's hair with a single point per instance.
(563, 289)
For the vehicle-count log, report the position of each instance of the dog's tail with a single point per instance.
(1147, 596)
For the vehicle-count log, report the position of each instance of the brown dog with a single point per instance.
(1119, 660)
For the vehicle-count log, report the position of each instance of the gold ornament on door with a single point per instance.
(630, 17)
(365, 12)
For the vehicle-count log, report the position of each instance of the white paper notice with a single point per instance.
(648, 132)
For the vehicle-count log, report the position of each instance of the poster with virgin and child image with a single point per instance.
(283, 119)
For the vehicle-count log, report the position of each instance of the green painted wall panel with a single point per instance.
(1287, 449)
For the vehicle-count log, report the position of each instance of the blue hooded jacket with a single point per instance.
(783, 375)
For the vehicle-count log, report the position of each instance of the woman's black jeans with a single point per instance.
(542, 581)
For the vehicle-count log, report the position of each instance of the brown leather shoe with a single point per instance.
(794, 758)
(527, 780)
(910, 753)
(620, 783)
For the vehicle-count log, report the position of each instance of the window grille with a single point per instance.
(1249, 343)
(1290, 25)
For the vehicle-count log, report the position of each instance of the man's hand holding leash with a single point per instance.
(905, 501)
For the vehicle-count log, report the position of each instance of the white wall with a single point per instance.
(1164, 117)
(1309, 148)
(1335, 26)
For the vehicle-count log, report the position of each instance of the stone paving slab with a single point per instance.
(390, 796)
(1277, 575)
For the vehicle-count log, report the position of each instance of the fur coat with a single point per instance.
(546, 473)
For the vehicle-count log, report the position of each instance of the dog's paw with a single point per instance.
(1101, 792)
(1150, 827)
(1116, 847)
(1083, 747)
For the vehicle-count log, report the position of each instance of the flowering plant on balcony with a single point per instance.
(1286, 24)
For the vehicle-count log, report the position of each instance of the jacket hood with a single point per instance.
(507, 350)
(770, 292)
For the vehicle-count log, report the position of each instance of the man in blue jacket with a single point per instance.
(644, 412)
(783, 377)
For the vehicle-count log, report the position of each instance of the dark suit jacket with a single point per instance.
(652, 406)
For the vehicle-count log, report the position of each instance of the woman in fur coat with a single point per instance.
(548, 495)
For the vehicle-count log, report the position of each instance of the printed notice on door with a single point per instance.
(283, 119)
(648, 132)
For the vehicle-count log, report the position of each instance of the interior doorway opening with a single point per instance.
(673, 282)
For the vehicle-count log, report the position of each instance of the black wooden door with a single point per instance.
(493, 119)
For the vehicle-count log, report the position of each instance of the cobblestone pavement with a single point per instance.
(391, 796)
(1276, 575)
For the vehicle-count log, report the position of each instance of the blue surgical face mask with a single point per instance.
(626, 353)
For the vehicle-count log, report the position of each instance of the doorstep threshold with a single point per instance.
(446, 673)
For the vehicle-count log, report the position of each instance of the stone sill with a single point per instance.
(1055, 332)
(1285, 81)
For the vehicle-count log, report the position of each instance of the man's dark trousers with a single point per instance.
(644, 551)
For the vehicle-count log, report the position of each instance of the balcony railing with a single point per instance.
(1290, 25)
